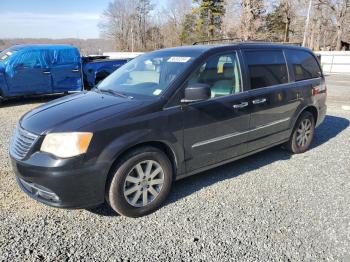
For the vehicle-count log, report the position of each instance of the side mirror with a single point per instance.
(196, 92)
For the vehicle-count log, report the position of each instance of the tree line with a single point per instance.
(137, 25)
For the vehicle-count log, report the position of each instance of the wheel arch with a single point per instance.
(162, 146)
(313, 110)
(310, 108)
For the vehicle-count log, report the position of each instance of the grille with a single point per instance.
(22, 142)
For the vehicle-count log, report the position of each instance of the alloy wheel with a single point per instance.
(304, 132)
(143, 183)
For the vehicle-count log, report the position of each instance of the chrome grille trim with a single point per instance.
(22, 142)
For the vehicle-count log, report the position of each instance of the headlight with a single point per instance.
(66, 144)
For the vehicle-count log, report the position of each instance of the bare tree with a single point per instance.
(143, 9)
(251, 18)
(173, 18)
(118, 21)
(134, 25)
(288, 9)
(340, 9)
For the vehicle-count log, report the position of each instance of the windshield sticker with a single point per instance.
(157, 92)
(178, 59)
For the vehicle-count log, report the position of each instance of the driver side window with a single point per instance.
(31, 59)
(221, 73)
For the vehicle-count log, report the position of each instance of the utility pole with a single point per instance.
(132, 40)
(307, 23)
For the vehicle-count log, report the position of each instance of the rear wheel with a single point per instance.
(140, 183)
(302, 134)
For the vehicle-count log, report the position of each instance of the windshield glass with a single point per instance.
(148, 75)
(4, 55)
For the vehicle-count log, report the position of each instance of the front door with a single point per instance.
(29, 74)
(215, 130)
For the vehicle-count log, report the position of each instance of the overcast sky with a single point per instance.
(52, 18)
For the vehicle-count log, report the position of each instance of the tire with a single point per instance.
(302, 135)
(125, 184)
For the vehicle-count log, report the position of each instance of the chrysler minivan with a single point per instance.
(166, 115)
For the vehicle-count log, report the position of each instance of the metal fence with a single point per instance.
(335, 61)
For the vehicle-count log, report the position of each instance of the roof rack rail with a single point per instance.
(218, 40)
(240, 40)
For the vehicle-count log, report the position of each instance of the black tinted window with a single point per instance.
(266, 68)
(304, 64)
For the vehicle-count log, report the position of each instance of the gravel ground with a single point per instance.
(270, 206)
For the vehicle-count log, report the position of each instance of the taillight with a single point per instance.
(319, 89)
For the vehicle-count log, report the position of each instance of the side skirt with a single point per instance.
(228, 161)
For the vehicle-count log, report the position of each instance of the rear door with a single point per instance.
(28, 73)
(215, 129)
(307, 74)
(273, 98)
(66, 70)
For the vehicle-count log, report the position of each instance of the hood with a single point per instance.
(75, 111)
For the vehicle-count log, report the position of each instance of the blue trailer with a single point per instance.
(48, 69)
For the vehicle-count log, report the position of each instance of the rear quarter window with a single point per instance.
(266, 68)
(64, 56)
(304, 64)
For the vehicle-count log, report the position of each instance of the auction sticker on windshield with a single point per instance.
(178, 59)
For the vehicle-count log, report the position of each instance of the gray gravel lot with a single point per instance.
(270, 206)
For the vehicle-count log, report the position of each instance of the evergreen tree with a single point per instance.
(210, 14)
(188, 34)
(278, 22)
(275, 24)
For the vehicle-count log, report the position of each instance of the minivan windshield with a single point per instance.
(148, 75)
(4, 55)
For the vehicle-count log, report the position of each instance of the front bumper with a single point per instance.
(66, 183)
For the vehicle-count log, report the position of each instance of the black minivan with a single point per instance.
(166, 115)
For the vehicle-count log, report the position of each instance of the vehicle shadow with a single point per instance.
(19, 101)
(329, 129)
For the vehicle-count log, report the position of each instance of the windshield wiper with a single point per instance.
(113, 92)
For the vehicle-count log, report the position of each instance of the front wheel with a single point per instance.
(302, 134)
(140, 183)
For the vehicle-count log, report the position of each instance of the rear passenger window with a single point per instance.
(65, 56)
(266, 68)
(304, 64)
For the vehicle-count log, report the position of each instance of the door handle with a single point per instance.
(259, 101)
(241, 105)
(46, 72)
(75, 70)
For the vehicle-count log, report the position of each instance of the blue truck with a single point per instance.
(97, 68)
(49, 69)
